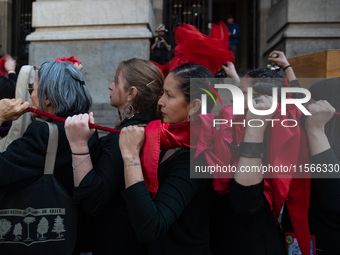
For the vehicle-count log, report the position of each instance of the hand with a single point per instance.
(231, 71)
(163, 41)
(281, 60)
(12, 109)
(156, 39)
(322, 112)
(78, 132)
(131, 140)
(79, 66)
(10, 64)
(256, 133)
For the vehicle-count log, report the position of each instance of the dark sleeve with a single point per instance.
(152, 218)
(104, 181)
(13, 77)
(4, 128)
(23, 161)
(246, 199)
(327, 190)
(237, 34)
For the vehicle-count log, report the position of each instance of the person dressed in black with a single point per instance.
(59, 90)
(324, 143)
(135, 92)
(161, 46)
(175, 220)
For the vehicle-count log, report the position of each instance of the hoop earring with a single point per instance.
(128, 113)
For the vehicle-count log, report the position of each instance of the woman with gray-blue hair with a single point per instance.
(58, 89)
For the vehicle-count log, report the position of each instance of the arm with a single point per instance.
(153, 46)
(237, 34)
(231, 71)
(12, 109)
(78, 134)
(95, 186)
(130, 142)
(253, 135)
(152, 217)
(282, 62)
(321, 112)
(10, 65)
(327, 190)
(166, 45)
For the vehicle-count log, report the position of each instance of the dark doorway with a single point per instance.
(202, 12)
(21, 27)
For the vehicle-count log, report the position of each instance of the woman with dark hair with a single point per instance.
(247, 210)
(137, 87)
(323, 134)
(175, 220)
(58, 89)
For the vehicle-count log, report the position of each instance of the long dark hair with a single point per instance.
(263, 80)
(191, 91)
(329, 89)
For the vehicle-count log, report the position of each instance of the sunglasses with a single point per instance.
(31, 79)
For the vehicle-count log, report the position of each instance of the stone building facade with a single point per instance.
(103, 33)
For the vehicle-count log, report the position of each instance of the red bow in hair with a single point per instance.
(70, 59)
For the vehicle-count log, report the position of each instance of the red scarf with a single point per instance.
(285, 146)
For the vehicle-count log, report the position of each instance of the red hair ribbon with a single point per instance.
(70, 59)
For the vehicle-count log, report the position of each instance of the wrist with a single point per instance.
(286, 66)
(315, 131)
(254, 134)
(79, 149)
(128, 156)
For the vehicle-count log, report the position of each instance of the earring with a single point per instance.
(188, 117)
(128, 113)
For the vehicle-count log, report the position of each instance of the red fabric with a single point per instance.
(194, 47)
(70, 59)
(62, 120)
(160, 136)
(3, 71)
(161, 67)
(287, 146)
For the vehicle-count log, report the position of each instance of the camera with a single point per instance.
(160, 38)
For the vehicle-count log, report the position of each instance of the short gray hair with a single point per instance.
(62, 83)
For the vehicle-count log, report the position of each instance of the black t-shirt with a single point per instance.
(160, 54)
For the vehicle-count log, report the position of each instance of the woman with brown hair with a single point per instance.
(135, 92)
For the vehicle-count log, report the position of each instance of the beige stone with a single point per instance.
(80, 13)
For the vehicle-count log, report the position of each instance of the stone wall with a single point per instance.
(298, 27)
(100, 34)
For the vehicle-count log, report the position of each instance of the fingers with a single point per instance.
(322, 107)
(91, 118)
(263, 102)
